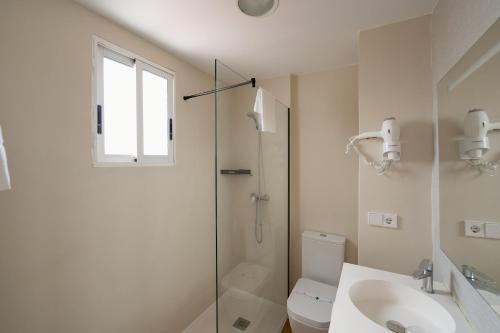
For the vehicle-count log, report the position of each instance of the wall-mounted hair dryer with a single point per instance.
(391, 149)
(475, 143)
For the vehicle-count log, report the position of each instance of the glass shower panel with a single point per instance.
(252, 212)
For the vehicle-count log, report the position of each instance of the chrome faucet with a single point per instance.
(256, 197)
(425, 272)
(480, 280)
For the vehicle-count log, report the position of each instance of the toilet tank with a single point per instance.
(322, 256)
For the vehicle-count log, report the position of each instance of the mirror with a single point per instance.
(469, 171)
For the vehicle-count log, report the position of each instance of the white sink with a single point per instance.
(382, 301)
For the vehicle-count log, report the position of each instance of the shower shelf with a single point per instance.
(245, 172)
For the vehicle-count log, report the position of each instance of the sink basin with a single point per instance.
(382, 301)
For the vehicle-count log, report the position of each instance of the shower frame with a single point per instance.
(214, 91)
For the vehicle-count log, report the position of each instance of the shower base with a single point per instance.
(264, 316)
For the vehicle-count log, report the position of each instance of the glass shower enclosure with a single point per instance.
(252, 210)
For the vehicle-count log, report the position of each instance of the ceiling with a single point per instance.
(302, 36)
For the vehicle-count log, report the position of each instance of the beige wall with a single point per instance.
(86, 249)
(395, 80)
(324, 180)
(77, 252)
(280, 87)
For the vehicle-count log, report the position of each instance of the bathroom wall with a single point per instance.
(280, 87)
(323, 195)
(86, 249)
(456, 26)
(395, 80)
(238, 140)
(324, 180)
(229, 251)
(237, 148)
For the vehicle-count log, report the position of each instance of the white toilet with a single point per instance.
(310, 303)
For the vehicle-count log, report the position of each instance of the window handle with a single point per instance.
(99, 119)
(171, 129)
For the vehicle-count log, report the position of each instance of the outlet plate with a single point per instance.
(390, 220)
(474, 228)
(375, 219)
(482, 229)
(385, 220)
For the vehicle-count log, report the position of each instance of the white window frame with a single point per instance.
(103, 48)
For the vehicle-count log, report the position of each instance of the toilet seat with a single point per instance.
(311, 303)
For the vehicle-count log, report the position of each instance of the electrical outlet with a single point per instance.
(390, 220)
(474, 228)
(385, 220)
(482, 229)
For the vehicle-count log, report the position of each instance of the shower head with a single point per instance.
(255, 117)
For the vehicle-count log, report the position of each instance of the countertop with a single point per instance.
(346, 317)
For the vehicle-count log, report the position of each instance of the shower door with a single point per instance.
(252, 205)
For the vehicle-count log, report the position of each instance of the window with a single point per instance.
(133, 116)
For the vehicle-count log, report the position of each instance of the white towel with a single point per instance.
(4, 171)
(265, 106)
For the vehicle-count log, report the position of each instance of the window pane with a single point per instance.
(120, 116)
(155, 115)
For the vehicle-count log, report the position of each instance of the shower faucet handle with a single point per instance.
(264, 197)
(256, 197)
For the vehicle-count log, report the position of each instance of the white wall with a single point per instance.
(395, 80)
(86, 249)
(456, 26)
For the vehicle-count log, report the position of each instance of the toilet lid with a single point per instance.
(311, 303)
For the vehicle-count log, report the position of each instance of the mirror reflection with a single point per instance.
(469, 150)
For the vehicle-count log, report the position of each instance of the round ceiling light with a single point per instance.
(258, 8)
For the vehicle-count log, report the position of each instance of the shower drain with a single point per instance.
(241, 323)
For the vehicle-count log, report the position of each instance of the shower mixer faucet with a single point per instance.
(256, 197)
